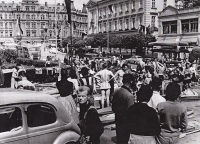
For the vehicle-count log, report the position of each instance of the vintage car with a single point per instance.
(33, 117)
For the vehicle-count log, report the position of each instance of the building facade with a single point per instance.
(39, 22)
(126, 15)
(179, 25)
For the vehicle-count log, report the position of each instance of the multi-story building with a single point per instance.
(179, 25)
(126, 15)
(38, 21)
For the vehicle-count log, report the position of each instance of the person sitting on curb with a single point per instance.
(90, 123)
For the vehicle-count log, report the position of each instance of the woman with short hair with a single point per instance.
(172, 116)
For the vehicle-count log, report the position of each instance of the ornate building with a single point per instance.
(179, 25)
(124, 16)
(38, 21)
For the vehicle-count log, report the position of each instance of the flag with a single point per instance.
(19, 24)
(68, 7)
(74, 25)
(110, 8)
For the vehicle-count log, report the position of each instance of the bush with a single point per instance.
(8, 56)
(36, 63)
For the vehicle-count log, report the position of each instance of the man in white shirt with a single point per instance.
(156, 97)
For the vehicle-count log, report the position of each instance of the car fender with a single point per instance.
(66, 137)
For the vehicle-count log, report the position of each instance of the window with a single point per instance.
(105, 11)
(34, 33)
(190, 25)
(33, 16)
(42, 25)
(10, 24)
(10, 34)
(110, 26)
(115, 25)
(127, 6)
(6, 25)
(133, 22)
(104, 26)
(1, 24)
(153, 18)
(121, 7)
(127, 24)
(5, 16)
(50, 33)
(18, 8)
(33, 25)
(153, 3)
(1, 33)
(115, 9)
(1, 16)
(6, 33)
(165, 4)
(10, 117)
(140, 20)
(27, 25)
(100, 12)
(40, 115)
(27, 16)
(33, 8)
(121, 24)
(133, 4)
(27, 8)
(141, 3)
(10, 16)
(169, 27)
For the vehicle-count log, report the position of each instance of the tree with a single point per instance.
(100, 40)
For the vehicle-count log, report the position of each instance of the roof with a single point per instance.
(25, 96)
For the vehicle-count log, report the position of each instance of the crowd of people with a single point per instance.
(144, 98)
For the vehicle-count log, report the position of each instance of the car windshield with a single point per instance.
(10, 119)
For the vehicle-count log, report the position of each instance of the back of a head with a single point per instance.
(144, 94)
(173, 91)
(127, 78)
(84, 71)
(72, 74)
(156, 83)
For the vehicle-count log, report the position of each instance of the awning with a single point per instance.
(161, 43)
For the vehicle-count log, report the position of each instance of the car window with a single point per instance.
(40, 115)
(10, 119)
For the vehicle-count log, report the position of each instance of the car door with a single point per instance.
(43, 124)
(13, 125)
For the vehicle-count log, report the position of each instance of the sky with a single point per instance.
(78, 3)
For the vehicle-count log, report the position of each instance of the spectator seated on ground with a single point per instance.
(24, 83)
(142, 122)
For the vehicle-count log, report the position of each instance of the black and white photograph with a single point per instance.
(99, 71)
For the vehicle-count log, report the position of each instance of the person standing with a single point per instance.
(143, 124)
(122, 99)
(1, 75)
(105, 76)
(66, 89)
(15, 78)
(156, 98)
(172, 116)
(90, 123)
(119, 74)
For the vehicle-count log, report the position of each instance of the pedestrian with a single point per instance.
(90, 123)
(105, 76)
(122, 99)
(156, 98)
(15, 78)
(66, 89)
(119, 74)
(172, 116)
(142, 122)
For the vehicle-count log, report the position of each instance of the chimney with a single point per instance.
(72, 6)
(84, 10)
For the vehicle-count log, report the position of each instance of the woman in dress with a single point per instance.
(66, 89)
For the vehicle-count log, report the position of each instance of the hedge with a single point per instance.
(36, 63)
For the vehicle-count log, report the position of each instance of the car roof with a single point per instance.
(7, 98)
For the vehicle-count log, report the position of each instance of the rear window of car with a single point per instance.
(10, 119)
(40, 115)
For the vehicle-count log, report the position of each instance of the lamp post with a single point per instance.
(19, 38)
